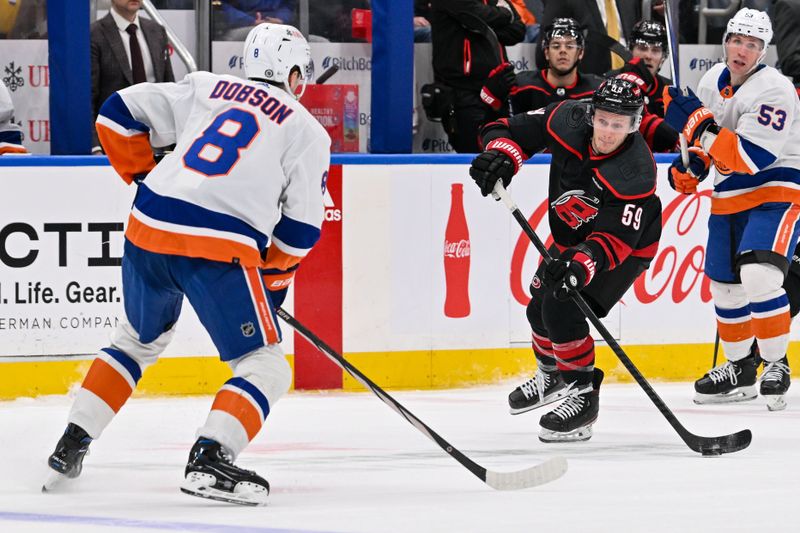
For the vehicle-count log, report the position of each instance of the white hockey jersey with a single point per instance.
(10, 133)
(757, 153)
(248, 171)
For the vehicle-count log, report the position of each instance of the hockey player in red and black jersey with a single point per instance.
(649, 47)
(605, 220)
(563, 45)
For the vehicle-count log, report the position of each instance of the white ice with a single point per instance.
(345, 462)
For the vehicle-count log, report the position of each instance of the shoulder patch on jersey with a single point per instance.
(631, 174)
(567, 126)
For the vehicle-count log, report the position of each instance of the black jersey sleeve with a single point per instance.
(528, 130)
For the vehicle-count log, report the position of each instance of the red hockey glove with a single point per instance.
(497, 86)
(637, 71)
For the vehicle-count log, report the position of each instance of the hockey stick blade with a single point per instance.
(540, 474)
(705, 445)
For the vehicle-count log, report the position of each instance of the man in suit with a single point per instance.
(126, 50)
(612, 17)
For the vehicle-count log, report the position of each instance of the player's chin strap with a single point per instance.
(705, 445)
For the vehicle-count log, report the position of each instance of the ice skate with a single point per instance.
(66, 462)
(542, 389)
(732, 381)
(572, 420)
(211, 474)
(775, 381)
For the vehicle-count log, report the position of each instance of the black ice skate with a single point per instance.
(67, 460)
(572, 420)
(732, 381)
(211, 474)
(542, 389)
(775, 381)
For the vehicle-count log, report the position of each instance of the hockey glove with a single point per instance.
(499, 83)
(685, 180)
(637, 71)
(501, 160)
(686, 113)
(569, 273)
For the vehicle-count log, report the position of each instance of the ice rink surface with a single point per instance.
(345, 462)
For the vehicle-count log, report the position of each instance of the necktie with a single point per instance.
(612, 26)
(137, 63)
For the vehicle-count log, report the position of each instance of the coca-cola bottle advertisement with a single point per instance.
(456, 257)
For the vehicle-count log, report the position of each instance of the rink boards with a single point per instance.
(374, 287)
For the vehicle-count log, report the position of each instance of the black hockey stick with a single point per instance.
(325, 76)
(609, 43)
(716, 350)
(705, 445)
(533, 476)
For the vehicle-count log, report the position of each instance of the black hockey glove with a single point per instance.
(500, 161)
(646, 81)
(570, 272)
(497, 86)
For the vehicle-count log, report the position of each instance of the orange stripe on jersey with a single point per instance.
(773, 326)
(107, 384)
(725, 152)
(262, 306)
(280, 260)
(241, 409)
(129, 156)
(783, 241)
(167, 242)
(276, 282)
(751, 199)
(735, 332)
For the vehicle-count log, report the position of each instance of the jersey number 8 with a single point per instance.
(218, 148)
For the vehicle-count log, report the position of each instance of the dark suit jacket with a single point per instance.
(111, 68)
(595, 60)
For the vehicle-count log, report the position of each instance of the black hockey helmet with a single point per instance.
(650, 32)
(563, 27)
(621, 97)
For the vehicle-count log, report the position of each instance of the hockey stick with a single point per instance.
(540, 474)
(611, 44)
(674, 63)
(705, 445)
(325, 76)
(716, 350)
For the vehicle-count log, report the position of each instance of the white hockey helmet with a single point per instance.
(272, 51)
(749, 22)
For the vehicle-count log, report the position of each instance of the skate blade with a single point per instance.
(742, 394)
(560, 395)
(776, 402)
(200, 485)
(577, 435)
(54, 481)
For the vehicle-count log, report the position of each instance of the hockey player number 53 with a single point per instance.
(632, 216)
(216, 151)
(769, 115)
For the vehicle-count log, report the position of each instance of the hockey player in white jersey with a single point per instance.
(224, 220)
(745, 119)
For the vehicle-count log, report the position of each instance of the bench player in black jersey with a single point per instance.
(605, 220)
(563, 45)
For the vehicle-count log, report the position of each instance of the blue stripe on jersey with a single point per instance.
(770, 305)
(253, 391)
(295, 233)
(114, 108)
(745, 181)
(739, 312)
(761, 157)
(126, 361)
(180, 212)
(11, 137)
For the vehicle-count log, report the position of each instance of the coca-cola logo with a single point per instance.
(675, 272)
(456, 249)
